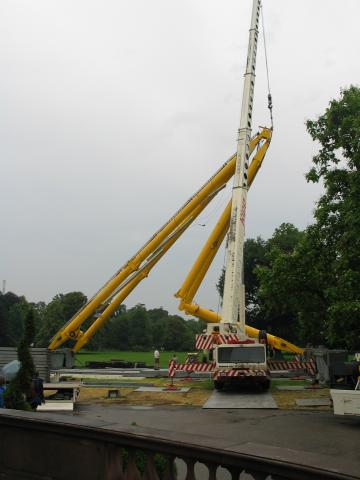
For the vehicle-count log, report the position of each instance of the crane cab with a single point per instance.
(239, 360)
(241, 355)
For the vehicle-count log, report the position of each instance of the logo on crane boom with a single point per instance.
(243, 212)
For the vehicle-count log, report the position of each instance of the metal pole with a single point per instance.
(233, 310)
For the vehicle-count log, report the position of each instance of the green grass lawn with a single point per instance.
(82, 357)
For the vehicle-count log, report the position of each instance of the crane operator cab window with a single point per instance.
(241, 354)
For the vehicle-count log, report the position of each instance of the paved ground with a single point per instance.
(230, 400)
(315, 432)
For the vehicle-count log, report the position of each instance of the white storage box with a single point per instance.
(346, 402)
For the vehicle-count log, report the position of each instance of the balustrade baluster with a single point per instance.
(212, 467)
(113, 463)
(258, 475)
(235, 472)
(170, 469)
(150, 469)
(132, 472)
(190, 467)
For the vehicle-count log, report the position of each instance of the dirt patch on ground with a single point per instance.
(286, 399)
(198, 394)
(129, 396)
(194, 397)
(99, 394)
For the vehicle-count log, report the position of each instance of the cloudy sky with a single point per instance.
(114, 112)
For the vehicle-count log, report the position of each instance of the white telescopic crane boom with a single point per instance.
(233, 310)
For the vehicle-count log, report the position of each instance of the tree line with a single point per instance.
(136, 328)
(303, 286)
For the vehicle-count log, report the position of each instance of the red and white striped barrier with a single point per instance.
(274, 365)
(205, 342)
(240, 373)
(309, 366)
(190, 367)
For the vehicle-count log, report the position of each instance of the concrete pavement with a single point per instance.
(315, 432)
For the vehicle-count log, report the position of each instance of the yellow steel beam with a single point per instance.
(203, 196)
(138, 277)
(201, 265)
(213, 317)
(73, 325)
(206, 256)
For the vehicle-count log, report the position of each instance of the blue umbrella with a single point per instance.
(10, 370)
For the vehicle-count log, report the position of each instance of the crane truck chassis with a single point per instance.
(238, 360)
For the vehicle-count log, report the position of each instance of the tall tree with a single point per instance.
(12, 314)
(139, 333)
(276, 311)
(57, 313)
(337, 214)
(176, 335)
(254, 256)
(20, 389)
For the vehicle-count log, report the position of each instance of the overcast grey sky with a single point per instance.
(114, 112)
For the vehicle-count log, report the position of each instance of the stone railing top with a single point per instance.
(280, 461)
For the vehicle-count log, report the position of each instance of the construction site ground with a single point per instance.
(199, 393)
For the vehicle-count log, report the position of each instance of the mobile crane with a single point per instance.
(238, 358)
(232, 323)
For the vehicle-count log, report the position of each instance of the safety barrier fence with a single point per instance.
(189, 367)
(308, 368)
(53, 449)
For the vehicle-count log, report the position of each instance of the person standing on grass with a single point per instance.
(156, 359)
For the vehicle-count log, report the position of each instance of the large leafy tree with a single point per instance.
(276, 310)
(57, 313)
(316, 284)
(176, 335)
(139, 333)
(337, 215)
(254, 256)
(12, 314)
(265, 308)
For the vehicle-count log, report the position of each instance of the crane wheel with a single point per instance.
(265, 386)
(218, 385)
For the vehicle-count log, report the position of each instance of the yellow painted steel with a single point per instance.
(115, 289)
(213, 317)
(205, 258)
(204, 195)
(201, 265)
(133, 282)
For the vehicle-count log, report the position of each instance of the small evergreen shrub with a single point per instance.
(19, 390)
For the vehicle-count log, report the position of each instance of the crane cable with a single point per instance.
(270, 104)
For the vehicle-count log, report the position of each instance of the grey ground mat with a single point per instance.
(289, 388)
(228, 399)
(312, 402)
(161, 389)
